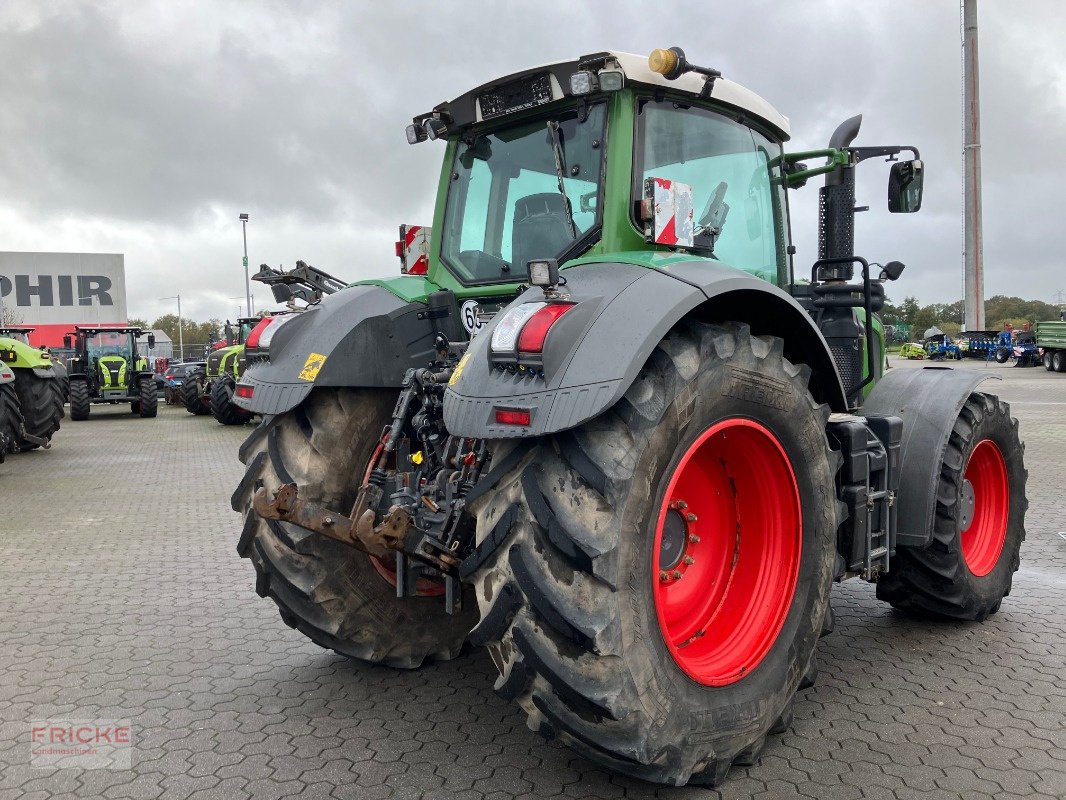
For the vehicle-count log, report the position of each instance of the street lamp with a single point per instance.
(247, 281)
(181, 340)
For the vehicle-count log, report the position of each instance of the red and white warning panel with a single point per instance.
(413, 249)
(667, 212)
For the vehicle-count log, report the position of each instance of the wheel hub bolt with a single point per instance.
(690, 517)
(693, 538)
(678, 574)
(690, 560)
(663, 576)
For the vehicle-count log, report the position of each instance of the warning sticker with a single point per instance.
(454, 379)
(312, 366)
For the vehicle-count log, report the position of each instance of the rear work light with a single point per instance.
(245, 391)
(524, 328)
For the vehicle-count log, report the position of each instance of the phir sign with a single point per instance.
(53, 291)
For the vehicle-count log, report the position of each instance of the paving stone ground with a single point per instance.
(121, 597)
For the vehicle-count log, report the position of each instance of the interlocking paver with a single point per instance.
(127, 600)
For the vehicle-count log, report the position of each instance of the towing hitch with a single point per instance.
(358, 530)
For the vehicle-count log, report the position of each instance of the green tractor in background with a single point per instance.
(39, 386)
(107, 368)
(211, 391)
(613, 429)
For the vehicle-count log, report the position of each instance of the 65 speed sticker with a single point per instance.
(471, 321)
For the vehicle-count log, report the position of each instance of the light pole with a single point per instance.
(181, 339)
(247, 281)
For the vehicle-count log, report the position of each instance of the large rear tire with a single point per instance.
(148, 405)
(967, 568)
(41, 400)
(10, 420)
(1058, 361)
(1048, 365)
(222, 406)
(192, 395)
(79, 400)
(717, 454)
(332, 593)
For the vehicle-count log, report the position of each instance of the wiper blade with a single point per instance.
(557, 151)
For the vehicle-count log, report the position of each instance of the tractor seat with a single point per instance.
(540, 229)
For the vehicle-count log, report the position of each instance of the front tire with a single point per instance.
(222, 406)
(967, 568)
(332, 593)
(41, 400)
(192, 395)
(79, 400)
(148, 405)
(571, 591)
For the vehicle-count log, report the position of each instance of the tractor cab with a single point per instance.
(108, 368)
(16, 334)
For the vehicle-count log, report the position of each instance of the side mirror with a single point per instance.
(282, 293)
(905, 187)
(892, 270)
(68, 343)
(151, 341)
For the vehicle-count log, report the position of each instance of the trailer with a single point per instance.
(1051, 344)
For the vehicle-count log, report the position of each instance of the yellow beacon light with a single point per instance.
(662, 61)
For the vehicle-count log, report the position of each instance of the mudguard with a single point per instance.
(594, 352)
(929, 401)
(363, 336)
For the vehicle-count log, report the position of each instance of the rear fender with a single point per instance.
(929, 401)
(363, 336)
(595, 351)
(23, 356)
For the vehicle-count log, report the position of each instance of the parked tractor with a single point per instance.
(616, 433)
(210, 390)
(108, 369)
(38, 386)
(1051, 340)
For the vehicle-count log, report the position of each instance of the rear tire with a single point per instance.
(41, 401)
(10, 420)
(1048, 365)
(222, 406)
(1058, 361)
(79, 400)
(148, 406)
(330, 592)
(1002, 355)
(569, 583)
(967, 568)
(192, 395)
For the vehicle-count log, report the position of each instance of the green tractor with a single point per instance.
(615, 432)
(39, 382)
(107, 368)
(210, 391)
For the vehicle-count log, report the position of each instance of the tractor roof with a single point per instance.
(466, 109)
(14, 329)
(107, 329)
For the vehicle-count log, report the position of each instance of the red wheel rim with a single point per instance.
(727, 551)
(984, 533)
(424, 587)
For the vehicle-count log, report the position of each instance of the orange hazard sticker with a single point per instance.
(312, 366)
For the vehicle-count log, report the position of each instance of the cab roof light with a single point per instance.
(611, 80)
(583, 82)
(415, 134)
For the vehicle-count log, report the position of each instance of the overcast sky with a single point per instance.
(146, 128)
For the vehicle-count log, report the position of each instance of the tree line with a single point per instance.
(999, 311)
(191, 332)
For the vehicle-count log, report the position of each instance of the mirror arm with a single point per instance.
(863, 153)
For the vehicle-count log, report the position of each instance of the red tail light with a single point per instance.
(257, 331)
(534, 332)
(512, 416)
(247, 392)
